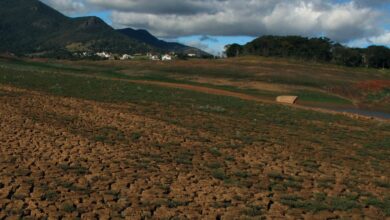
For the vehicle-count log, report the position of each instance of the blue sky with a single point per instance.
(212, 24)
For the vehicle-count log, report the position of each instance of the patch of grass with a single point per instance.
(279, 187)
(276, 176)
(219, 205)
(77, 169)
(215, 152)
(219, 174)
(321, 202)
(311, 96)
(343, 203)
(310, 165)
(165, 187)
(380, 144)
(68, 207)
(174, 204)
(384, 204)
(50, 195)
(326, 182)
(378, 96)
(253, 211)
(214, 165)
(292, 184)
(383, 183)
(100, 138)
(241, 174)
(22, 172)
(230, 158)
(185, 158)
(109, 135)
(135, 136)
(297, 202)
(208, 108)
(75, 188)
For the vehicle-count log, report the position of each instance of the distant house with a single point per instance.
(103, 54)
(192, 55)
(166, 57)
(153, 56)
(126, 57)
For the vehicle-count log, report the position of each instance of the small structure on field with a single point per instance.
(103, 54)
(126, 57)
(166, 57)
(191, 55)
(287, 99)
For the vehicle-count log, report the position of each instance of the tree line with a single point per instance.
(314, 49)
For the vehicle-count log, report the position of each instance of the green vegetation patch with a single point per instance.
(321, 202)
(384, 204)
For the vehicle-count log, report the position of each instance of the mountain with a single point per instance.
(32, 27)
(29, 26)
(147, 38)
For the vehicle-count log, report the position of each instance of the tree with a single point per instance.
(233, 50)
(378, 57)
(346, 56)
(317, 49)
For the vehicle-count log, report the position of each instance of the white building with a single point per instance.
(166, 57)
(153, 56)
(191, 55)
(126, 57)
(104, 54)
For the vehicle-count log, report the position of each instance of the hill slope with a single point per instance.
(29, 26)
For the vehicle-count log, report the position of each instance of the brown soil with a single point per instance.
(69, 158)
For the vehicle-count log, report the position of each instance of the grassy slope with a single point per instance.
(315, 83)
(339, 141)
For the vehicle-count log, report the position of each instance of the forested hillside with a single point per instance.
(315, 49)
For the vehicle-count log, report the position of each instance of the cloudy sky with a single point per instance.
(211, 24)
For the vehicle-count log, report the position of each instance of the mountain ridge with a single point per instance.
(32, 27)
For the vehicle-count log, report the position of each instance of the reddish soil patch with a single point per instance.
(373, 85)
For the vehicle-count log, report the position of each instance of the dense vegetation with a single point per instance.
(316, 49)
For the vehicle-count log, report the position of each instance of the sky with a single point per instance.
(212, 24)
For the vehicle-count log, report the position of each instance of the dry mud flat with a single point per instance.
(68, 158)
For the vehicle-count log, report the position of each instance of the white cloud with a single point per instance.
(67, 6)
(380, 39)
(293, 18)
(348, 22)
(155, 6)
(343, 22)
(383, 39)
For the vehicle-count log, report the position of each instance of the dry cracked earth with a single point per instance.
(65, 158)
